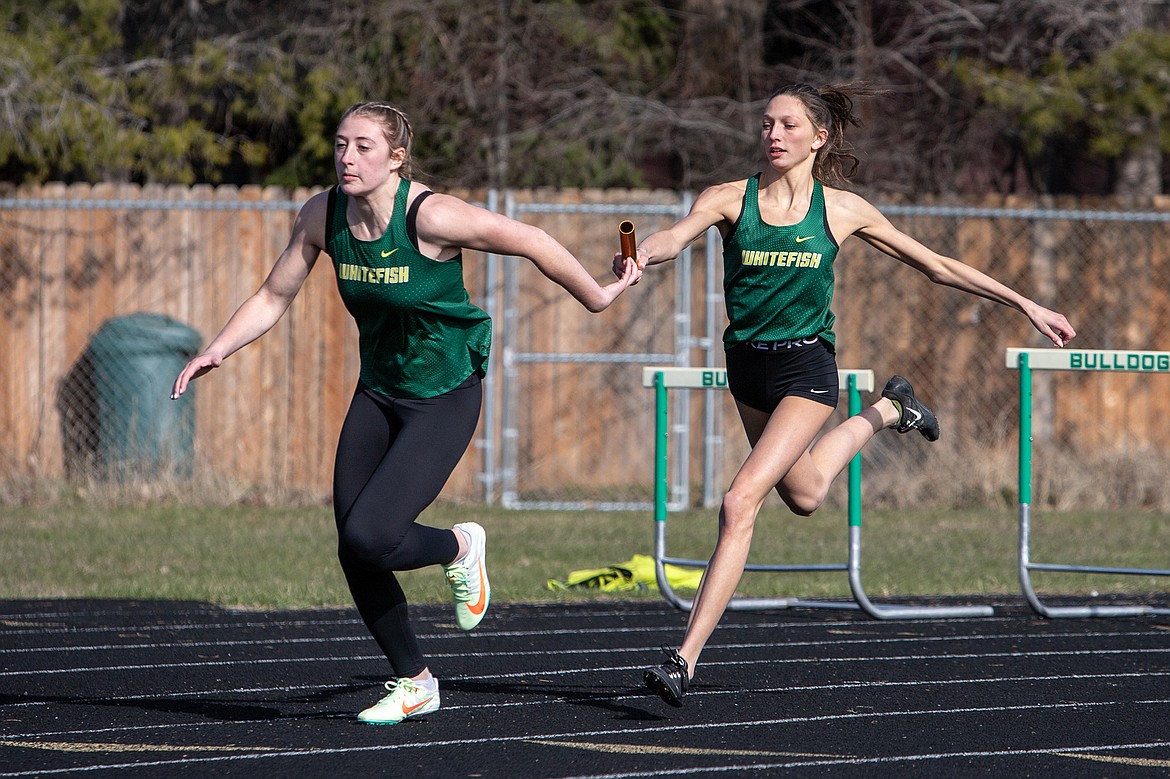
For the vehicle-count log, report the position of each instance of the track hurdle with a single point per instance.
(853, 382)
(1027, 361)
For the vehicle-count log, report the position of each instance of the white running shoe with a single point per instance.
(468, 578)
(407, 699)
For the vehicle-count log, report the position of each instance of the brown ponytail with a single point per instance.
(831, 109)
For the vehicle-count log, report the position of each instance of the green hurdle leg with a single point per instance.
(869, 607)
(661, 478)
(663, 379)
(1028, 360)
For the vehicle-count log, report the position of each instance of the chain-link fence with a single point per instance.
(581, 433)
(566, 422)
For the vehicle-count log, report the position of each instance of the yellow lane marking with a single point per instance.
(1139, 761)
(646, 749)
(74, 746)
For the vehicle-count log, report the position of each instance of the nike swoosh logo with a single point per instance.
(387, 254)
(409, 709)
(819, 392)
(806, 238)
(917, 415)
(478, 607)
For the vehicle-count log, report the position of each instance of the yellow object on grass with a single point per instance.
(634, 574)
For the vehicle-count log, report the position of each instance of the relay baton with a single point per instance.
(626, 235)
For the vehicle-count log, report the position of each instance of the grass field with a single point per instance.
(284, 557)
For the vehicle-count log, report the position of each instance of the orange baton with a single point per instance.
(628, 242)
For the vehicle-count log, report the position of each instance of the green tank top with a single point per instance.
(419, 334)
(778, 281)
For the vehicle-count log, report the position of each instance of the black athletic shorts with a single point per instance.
(762, 373)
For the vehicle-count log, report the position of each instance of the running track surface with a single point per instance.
(138, 689)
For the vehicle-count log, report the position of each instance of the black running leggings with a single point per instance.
(393, 457)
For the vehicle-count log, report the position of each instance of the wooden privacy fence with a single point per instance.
(72, 258)
(268, 416)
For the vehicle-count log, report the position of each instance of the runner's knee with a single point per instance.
(370, 551)
(806, 501)
(804, 506)
(738, 514)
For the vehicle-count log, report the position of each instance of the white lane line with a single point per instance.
(1014, 655)
(553, 616)
(463, 637)
(558, 700)
(673, 729)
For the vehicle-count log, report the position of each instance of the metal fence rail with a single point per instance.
(564, 423)
(516, 356)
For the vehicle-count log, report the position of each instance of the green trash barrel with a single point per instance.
(141, 432)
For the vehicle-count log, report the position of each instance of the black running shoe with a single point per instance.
(670, 679)
(913, 415)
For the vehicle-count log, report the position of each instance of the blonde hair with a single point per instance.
(831, 109)
(395, 128)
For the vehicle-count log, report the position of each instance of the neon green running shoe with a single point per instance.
(407, 699)
(468, 578)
